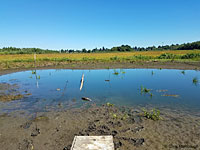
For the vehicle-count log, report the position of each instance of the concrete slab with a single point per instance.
(93, 143)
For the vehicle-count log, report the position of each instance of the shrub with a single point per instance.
(190, 56)
(114, 58)
(167, 56)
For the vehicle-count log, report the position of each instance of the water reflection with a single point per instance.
(60, 89)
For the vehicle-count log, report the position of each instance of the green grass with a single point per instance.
(26, 60)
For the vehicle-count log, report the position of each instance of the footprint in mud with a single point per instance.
(26, 125)
(26, 145)
(35, 132)
(135, 142)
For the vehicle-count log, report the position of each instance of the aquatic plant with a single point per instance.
(122, 71)
(153, 114)
(152, 73)
(151, 95)
(183, 72)
(145, 90)
(116, 72)
(109, 104)
(195, 81)
(33, 71)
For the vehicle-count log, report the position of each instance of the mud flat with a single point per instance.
(55, 130)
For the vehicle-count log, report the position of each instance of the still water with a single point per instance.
(60, 89)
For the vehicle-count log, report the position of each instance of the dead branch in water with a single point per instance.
(82, 80)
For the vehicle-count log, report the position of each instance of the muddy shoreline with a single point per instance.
(111, 65)
(56, 130)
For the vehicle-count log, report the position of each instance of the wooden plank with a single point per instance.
(93, 143)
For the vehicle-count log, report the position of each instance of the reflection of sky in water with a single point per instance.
(122, 89)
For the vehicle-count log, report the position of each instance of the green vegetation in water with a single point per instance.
(153, 114)
(38, 77)
(146, 91)
(116, 72)
(183, 72)
(152, 73)
(122, 71)
(195, 81)
(33, 71)
(119, 72)
(151, 95)
(10, 97)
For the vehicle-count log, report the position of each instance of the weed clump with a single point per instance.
(183, 72)
(167, 56)
(190, 56)
(195, 81)
(153, 114)
(33, 72)
(109, 104)
(146, 91)
(116, 72)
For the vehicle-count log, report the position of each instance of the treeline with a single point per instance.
(14, 50)
(127, 48)
(122, 48)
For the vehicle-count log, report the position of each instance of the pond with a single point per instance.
(60, 89)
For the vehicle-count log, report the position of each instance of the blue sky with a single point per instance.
(77, 24)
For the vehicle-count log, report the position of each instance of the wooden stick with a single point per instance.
(82, 80)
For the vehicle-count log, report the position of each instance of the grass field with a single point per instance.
(27, 60)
